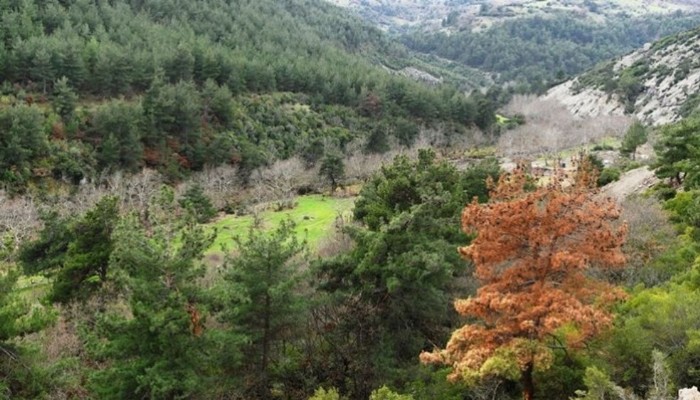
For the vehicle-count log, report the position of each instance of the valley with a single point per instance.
(349, 200)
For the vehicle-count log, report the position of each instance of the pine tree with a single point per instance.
(64, 100)
(41, 71)
(264, 279)
(333, 169)
(198, 203)
(635, 136)
(532, 252)
(74, 251)
(162, 349)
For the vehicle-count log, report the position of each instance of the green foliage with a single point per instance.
(333, 170)
(564, 376)
(598, 384)
(430, 384)
(676, 151)
(323, 394)
(85, 266)
(378, 140)
(46, 253)
(195, 201)
(635, 136)
(404, 267)
(17, 317)
(650, 320)
(608, 175)
(64, 99)
(23, 143)
(404, 184)
(115, 126)
(74, 251)
(384, 393)
(160, 350)
(263, 302)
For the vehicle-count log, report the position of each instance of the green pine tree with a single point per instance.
(64, 99)
(161, 349)
(635, 136)
(264, 278)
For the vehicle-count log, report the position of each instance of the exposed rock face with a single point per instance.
(667, 72)
(589, 102)
(689, 394)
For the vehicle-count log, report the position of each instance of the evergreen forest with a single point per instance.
(276, 199)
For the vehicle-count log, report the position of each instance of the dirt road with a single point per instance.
(631, 182)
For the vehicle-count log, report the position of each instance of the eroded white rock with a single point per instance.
(689, 394)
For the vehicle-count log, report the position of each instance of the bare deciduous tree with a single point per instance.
(19, 218)
(550, 127)
(220, 184)
(279, 182)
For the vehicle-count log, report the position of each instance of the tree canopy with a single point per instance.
(532, 252)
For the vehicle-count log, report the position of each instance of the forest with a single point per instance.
(117, 86)
(247, 200)
(536, 52)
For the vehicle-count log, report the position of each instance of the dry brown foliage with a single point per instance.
(531, 254)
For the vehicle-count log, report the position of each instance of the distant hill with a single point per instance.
(455, 15)
(531, 43)
(657, 84)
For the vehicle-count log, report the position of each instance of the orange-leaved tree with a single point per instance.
(535, 253)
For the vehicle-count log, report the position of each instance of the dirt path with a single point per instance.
(631, 182)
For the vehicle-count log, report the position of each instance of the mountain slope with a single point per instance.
(540, 50)
(456, 15)
(657, 84)
(533, 43)
(182, 85)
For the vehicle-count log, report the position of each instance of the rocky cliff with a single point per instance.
(657, 84)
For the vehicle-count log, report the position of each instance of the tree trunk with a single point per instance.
(265, 343)
(526, 380)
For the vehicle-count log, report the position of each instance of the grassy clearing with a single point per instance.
(314, 216)
(501, 119)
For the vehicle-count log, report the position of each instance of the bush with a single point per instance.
(603, 147)
(323, 394)
(608, 175)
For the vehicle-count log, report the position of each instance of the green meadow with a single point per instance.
(314, 216)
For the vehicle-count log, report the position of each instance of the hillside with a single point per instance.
(181, 86)
(538, 50)
(453, 15)
(528, 44)
(657, 84)
(279, 200)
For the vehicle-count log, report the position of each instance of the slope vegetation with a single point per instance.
(657, 84)
(183, 85)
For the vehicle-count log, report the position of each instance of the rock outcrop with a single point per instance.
(689, 394)
(657, 84)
